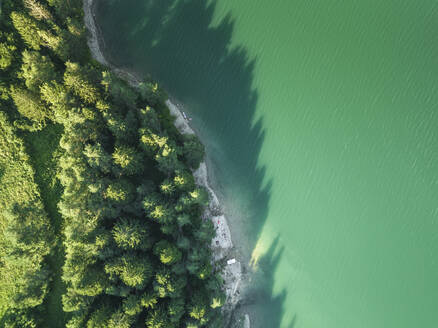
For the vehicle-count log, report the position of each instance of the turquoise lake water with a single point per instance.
(321, 125)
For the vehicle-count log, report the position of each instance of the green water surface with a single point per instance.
(321, 124)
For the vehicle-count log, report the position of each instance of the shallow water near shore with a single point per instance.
(321, 126)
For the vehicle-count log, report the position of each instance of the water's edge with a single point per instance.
(222, 243)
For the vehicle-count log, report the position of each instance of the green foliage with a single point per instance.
(167, 158)
(133, 270)
(131, 234)
(167, 187)
(198, 309)
(183, 219)
(56, 96)
(149, 119)
(197, 312)
(20, 319)
(151, 92)
(157, 319)
(120, 320)
(184, 181)
(74, 302)
(37, 10)
(29, 105)
(119, 192)
(128, 160)
(78, 82)
(28, 29)
(167, 253)
(169, 284)
(193, 150)
(98, 158)
(99, 318)
(192, 324)
(123, 129)
(121, 93)
(149, 299)
(217, 301)
(206, 232)
(25, 234)
(65, 9)
(7, 53)
(77, 321)
(198, 196)
(176, 309)
(36, 70)
(132, 305)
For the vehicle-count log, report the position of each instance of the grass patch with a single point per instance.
(18, 188)
(43, 150)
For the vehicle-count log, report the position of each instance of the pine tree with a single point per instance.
(131, 234)
(128, 160)
(158, 319)
(149, 119)
(176, 309)
(167, 253)
(29, 105)
(7, 55)
(193, 150)
(98, 158)
(36, 70)
(28, 29)
(133, 270)
(58, 99)
(120, 320)
(120, 192)
(76, 80)
(121, 93)
(132, 305)
(167, 158)
(149, 299)
(99, 317)
(37, 10)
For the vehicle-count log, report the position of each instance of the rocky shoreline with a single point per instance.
(222, 243)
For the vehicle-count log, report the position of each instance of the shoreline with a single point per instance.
(222, 244)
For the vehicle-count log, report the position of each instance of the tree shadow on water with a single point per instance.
(263, 304)
(180, 44)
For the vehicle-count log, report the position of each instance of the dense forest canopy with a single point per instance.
(136, 250)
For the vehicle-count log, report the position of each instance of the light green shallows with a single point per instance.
(321, 120)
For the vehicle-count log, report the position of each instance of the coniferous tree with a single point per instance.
(59, 101)
(167, 253)
(7, 55)
(78, 82)
(28, 29)
(193, 150)
(36, 70)
(37, 10)
(128, 160)
(132, 234)
(29, 105)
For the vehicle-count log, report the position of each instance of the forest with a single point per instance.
(101, 221)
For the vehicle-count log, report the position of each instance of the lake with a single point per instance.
(320, 120)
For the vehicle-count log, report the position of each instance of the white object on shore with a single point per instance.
(180, 122)
(232, 261)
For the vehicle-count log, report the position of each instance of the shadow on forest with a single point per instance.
(178, 43)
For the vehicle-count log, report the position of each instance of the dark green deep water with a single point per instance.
(321, 123)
